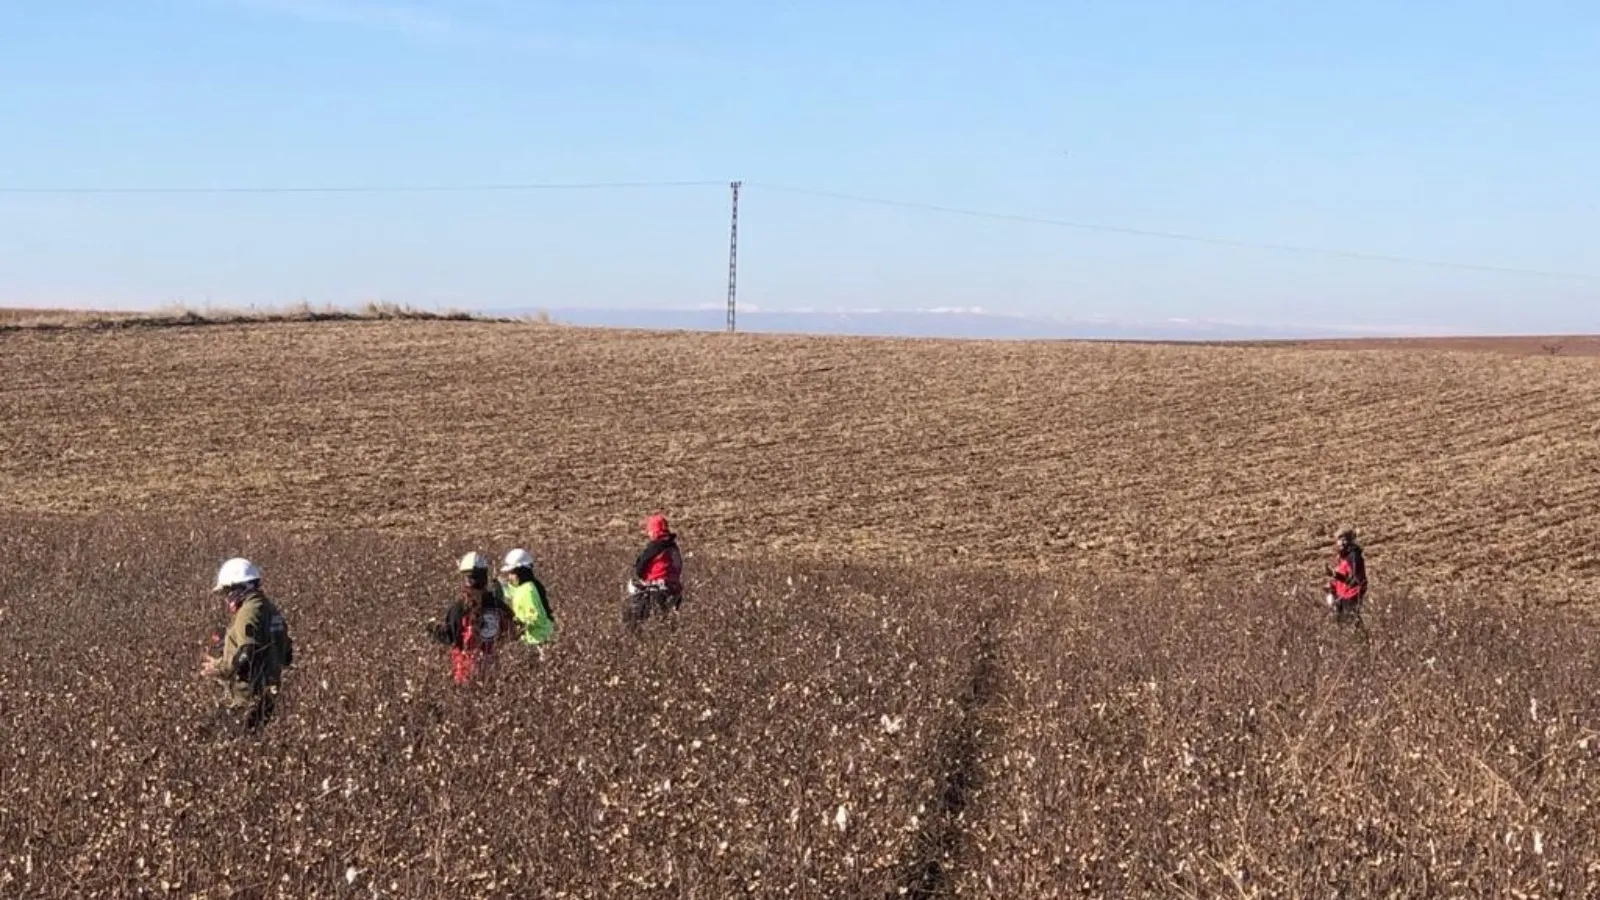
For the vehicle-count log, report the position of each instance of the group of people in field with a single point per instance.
(513, 606)
(256, 648)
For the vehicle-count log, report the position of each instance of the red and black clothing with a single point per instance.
(472, 626)
(657, 583)
(1348, 583)
(660, 562)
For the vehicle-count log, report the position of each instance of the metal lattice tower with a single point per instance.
(733, 254)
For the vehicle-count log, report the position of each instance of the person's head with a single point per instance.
(517, 568)
(474, 569)
(236, 578)
(656, 528)
(1345, 539)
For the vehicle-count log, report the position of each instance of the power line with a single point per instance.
(1170, 235)
(528, 187)
(372, 189)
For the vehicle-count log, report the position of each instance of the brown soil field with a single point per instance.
(965, 618)
(1201, 462)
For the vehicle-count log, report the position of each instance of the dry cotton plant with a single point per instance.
(785, 736)
(1239, 743)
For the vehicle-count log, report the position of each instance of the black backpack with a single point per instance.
(278, 632)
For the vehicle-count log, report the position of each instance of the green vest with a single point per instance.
(528, 606)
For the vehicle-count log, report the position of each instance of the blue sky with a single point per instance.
(1462, 131)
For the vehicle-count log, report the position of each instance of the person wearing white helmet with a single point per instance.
(529, 600)
(256, 647)
(474, 622)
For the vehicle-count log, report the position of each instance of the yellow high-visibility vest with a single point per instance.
(528, 606)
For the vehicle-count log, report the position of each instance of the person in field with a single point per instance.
(529, 600)
(657, 579)
(474, 622)
(1347, 578)
(255, 648)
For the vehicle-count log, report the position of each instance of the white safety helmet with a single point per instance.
(472, 562)
(517, 559)
(235, 572)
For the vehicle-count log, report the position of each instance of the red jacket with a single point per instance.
(661, 561)
(1350, 576)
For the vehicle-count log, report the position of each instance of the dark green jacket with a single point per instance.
(256, 648)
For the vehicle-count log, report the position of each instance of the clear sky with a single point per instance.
(1461, 131)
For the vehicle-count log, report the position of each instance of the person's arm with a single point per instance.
(1341, 572)
(210, 652)
(511, 626)
(238, 645)
(448, 630)
(642, 564)
(675, 561)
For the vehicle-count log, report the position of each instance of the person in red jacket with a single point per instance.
(657, 578)
(1347, 578)
(473, 623)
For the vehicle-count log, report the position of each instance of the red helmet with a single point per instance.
(656, 527)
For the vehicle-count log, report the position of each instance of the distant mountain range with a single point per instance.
(940, 323)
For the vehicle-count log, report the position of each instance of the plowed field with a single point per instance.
(964, 619)
(1051, 457)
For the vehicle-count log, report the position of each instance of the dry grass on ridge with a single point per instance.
(187, 316)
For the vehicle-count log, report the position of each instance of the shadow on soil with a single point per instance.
(942, 841)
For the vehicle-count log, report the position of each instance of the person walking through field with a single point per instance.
(1347, 578)
(255, 649)
(474, 622)
(657, 578)
(529, 600)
